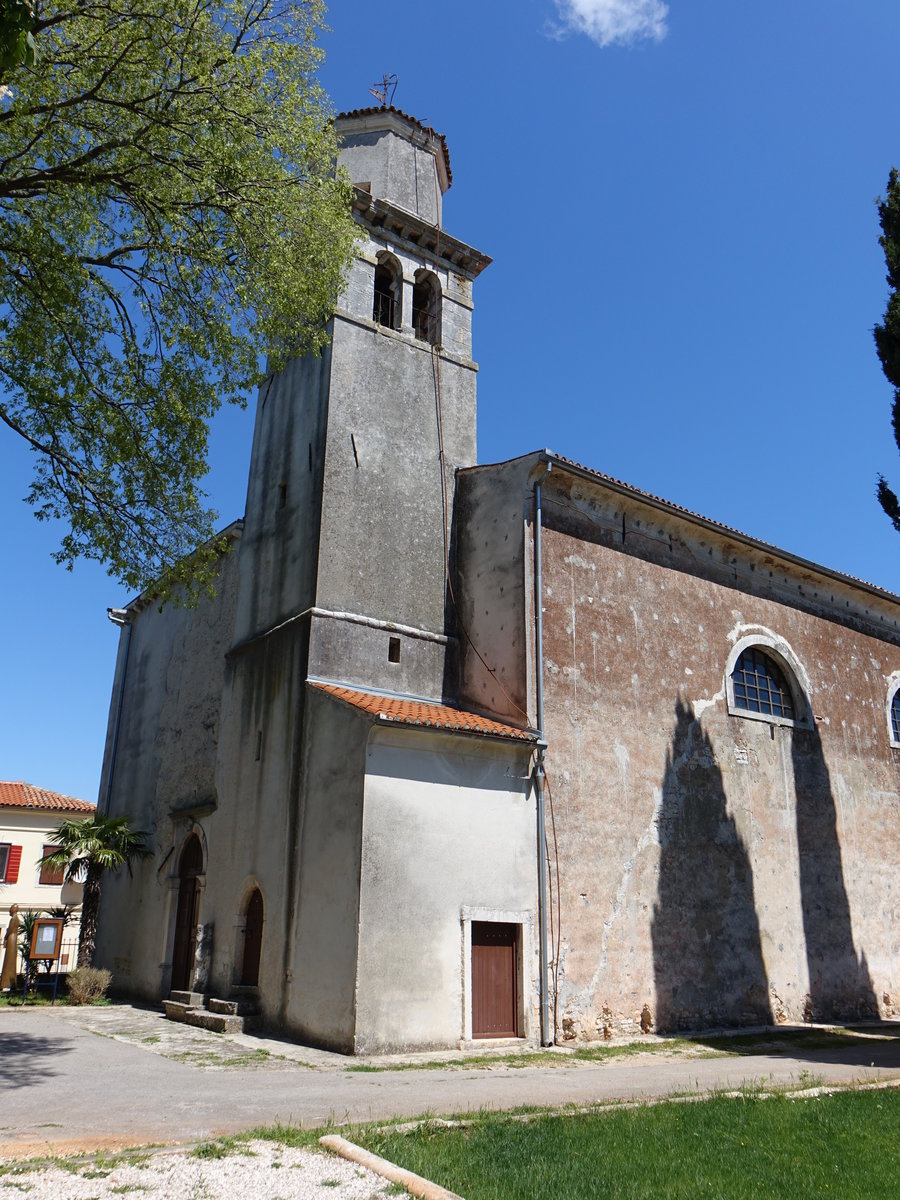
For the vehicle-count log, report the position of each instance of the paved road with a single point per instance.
(85, 1078)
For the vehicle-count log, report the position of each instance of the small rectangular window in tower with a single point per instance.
(282, 495)
(394, 650)
(258, 754)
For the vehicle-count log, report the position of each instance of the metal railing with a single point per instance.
(383, 309)
(68, 957)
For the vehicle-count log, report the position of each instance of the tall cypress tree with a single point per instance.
(887, 335)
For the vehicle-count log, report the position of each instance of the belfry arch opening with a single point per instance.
(387, 300)
(426, 314)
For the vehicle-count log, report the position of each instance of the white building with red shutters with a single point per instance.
(28, 817)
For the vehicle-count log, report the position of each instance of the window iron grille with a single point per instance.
(760, 686)
(383, 309)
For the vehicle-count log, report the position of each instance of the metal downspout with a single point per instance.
(120, 617)
(547, 1038)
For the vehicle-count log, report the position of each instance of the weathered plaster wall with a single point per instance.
(493, 590)
(280, 547)
(165, 761)
(720, 869)
(383, 508)
(322, 929)
(252, 837)
(448, 826)
(395, 169)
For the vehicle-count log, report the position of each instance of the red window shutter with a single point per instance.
(12, 864)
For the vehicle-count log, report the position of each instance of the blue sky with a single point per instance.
(680, 204)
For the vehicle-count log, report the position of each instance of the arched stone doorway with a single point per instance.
(190, 867)
(252, 940)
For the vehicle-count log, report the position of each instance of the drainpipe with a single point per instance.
(120, 617)
(547, 1037)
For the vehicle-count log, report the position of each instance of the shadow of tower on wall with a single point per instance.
(707, 954)
(839, 984)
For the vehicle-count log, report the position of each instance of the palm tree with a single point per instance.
(87, 848)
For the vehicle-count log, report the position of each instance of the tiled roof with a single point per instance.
(375, 109)
(424, 714)
(671, 506)
(26, 795)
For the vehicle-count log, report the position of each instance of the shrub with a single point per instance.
(87, 984)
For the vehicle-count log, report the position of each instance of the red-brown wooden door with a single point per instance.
(186, 914)
(252, 940)
(495, 999)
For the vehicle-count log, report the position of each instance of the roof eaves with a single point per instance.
(677, 510)
(231, 532)
(366, 702)
(508, 734)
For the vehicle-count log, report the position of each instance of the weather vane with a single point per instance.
(385, 90)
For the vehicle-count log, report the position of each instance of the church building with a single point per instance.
(462, 752)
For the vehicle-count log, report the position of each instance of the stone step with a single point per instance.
(232, 1008)
(191, 999)
(217, 1022)
(175, 1010)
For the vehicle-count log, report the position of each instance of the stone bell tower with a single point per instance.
(349, 508)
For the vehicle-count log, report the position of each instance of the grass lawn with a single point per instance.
(845, 1145)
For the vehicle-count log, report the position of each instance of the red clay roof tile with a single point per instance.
(423, 713)
(26, 795)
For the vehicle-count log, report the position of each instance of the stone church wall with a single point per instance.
(719, 869)
(165, 767)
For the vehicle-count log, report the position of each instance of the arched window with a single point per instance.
(387, 300)
(895, 717)
(760, 685)
(427, 308)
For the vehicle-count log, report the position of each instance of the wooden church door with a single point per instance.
(252, 940)
(495, 1000)
(186, 913)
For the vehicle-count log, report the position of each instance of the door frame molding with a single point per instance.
(524, 919)
(173, 880)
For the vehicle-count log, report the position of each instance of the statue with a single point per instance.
(10, 957)
(202, 958)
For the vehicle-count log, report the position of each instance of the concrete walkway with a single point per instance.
(85, 1078)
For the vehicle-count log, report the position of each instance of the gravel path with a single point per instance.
(256, 1170)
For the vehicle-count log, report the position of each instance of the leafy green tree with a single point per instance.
(88, 847)
(171, 227)
(16, 38)
(887, 335)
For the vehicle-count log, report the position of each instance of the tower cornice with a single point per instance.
(399, 225)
